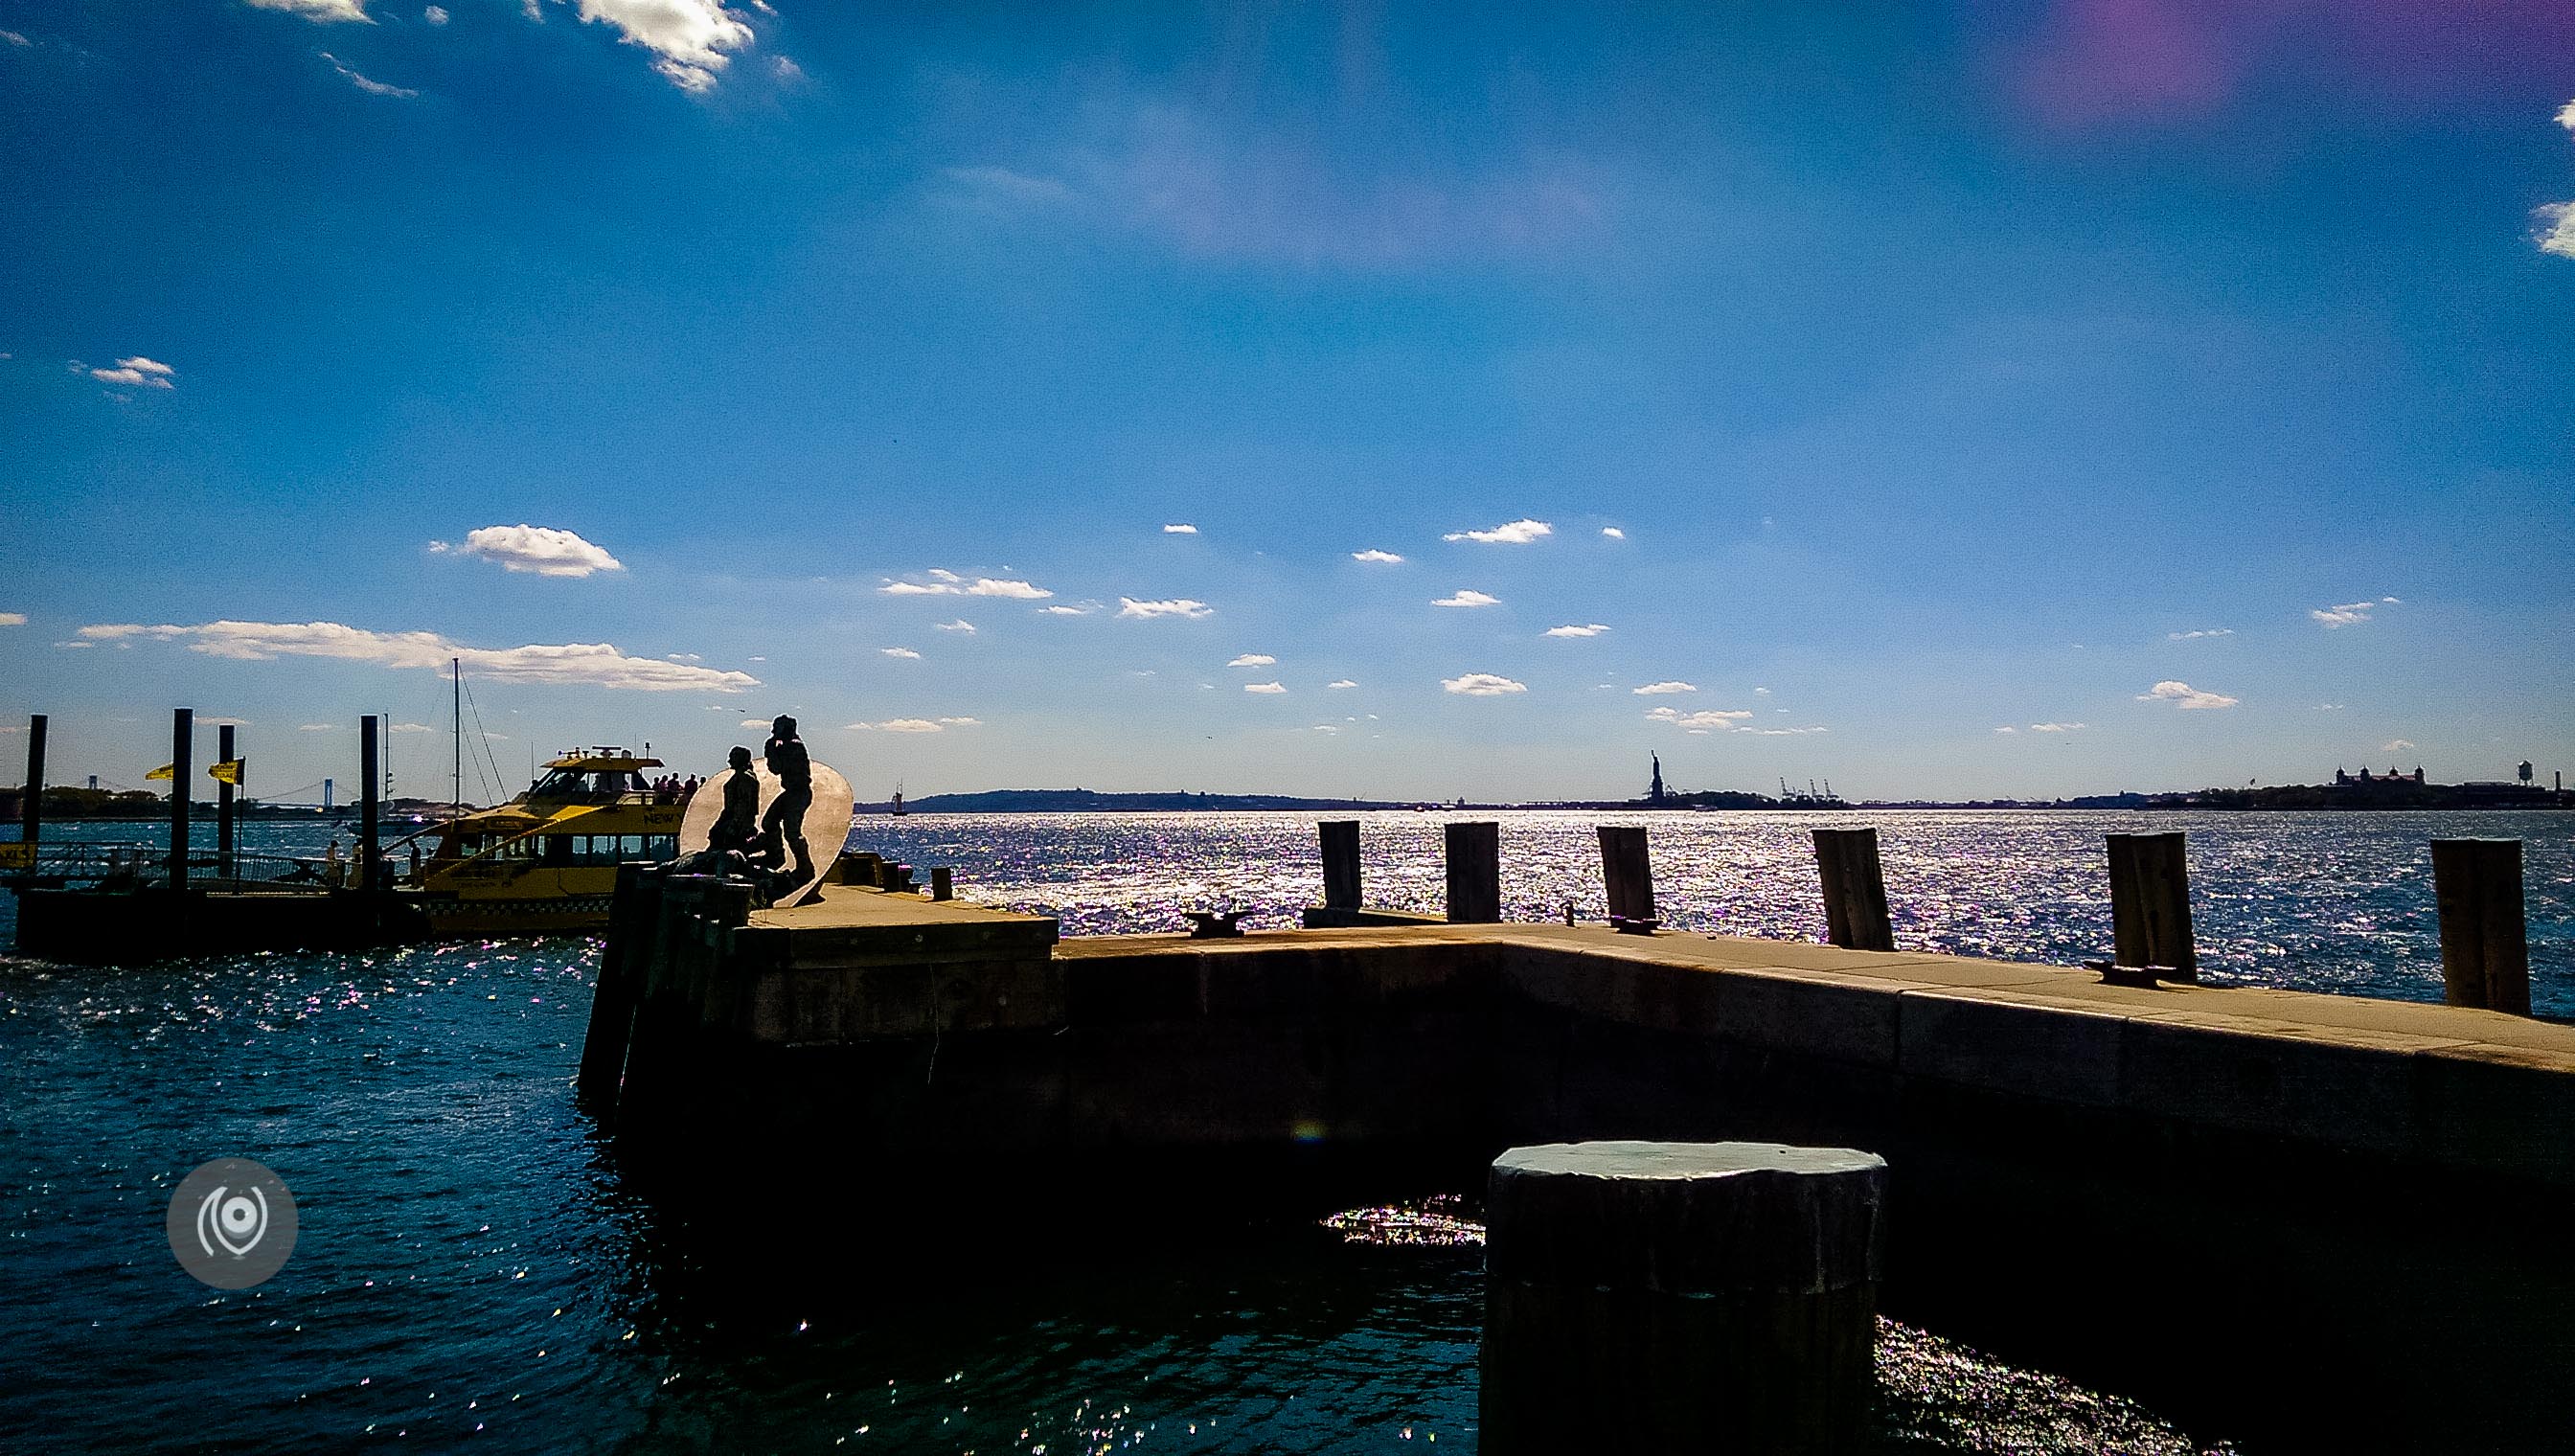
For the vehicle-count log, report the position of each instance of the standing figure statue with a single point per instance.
(785, 815)
(738, 826)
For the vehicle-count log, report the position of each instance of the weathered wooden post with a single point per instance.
(1475, 872)
(943, 882)
(1627, 869)
(612, 1003)
(183, 734)
(1656, 1296)
(31, 809)
(369, 807)
(2150, 904)
(224, 803)
(1340, 863)
(1855, 916)
(2485, 937)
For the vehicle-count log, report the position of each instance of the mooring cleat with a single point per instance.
(1215, 925)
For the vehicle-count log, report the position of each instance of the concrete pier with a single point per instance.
(2228, 1201)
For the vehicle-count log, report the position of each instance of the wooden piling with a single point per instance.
(369, 807)
(2150, 904)
(943, 883)
(612, 1003)
(182, 732)
(1628, 871)
(1475, 872)
(1340, 863)
(1855, 917)
(2485, 935)
(1644, 1296)
(224, 864)
(31, 809)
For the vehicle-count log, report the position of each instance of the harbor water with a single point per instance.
(474, 1272)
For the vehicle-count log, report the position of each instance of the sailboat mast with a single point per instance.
(456, 695)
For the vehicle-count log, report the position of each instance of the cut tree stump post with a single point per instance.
(2485, 935)
(1855, 916)
(2150, 904)
(1475, 872)
(943, 883)
(1656, 1296)
(1627, 872)
(1340, 863)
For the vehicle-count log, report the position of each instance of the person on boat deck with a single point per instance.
(786, 817)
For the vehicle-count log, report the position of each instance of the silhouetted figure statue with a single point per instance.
(739, 823)
(786, 817)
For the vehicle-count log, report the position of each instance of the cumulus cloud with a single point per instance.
(2198, 633)
(1653, 690)
(1714, 718)
(13, 619)
(594, 663)
(1517, 532)
(1385, 557)
(1264, 688)
(907, 654)
(1180, 528)
(2396, 746)
(2555, 232)
(689, 39)
(1341, 683)
(1614, 533)
(1467, 597)
(139, 370)
(371, 87)
(1589, 629)
(434, 15)
(541, 550)
(2349, 613)
(2184, 695)
(1180, 607)
(2061, 728)
(321, 12)
(1482, 685)
(943, 583)
(910, 725)
(1253, 659)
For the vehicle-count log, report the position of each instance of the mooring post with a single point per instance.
(1855, 916)
(224, 803)
(31, 809)
(943, 883)
(1657, 1296)
(1340, 863)
(1475, 872)
(182, 732)
(2150, 904)
(612, 1003)
(1627, 869)
(2485, 936)
(368, 805)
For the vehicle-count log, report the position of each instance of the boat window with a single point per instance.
(662, 846)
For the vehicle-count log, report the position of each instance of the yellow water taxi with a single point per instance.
(547, 859)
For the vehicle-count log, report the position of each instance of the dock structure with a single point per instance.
(2303, 1217)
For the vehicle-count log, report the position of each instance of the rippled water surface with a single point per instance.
(474, 1271)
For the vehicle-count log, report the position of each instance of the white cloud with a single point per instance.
(371, 87)
(961, 625)
(2328, 707)
(962, 722)
(687, 38)
(538, 549)
(1701, 722)
(317, 727)
(148, 373)
(2054, 728)
(1264, 688)
(683, 657)
(1341, 683)
(757, 723)
(13, 619)
(15, 39)
(946, 582)
(2195, 636)
(1325, 727)
(2185, 695)
(2396, 746)
(1482, 685)
(1614, 533)
(321, 12)
(434, 15)
(906, 653)
(2566, 116)
(1180, 607)
(595, 663)
(1384, 556)
(1764, 693)
(1787, 732)
(1253, 659)
(1179, 529)
(2556, 230)
(409, 728)
(1589, 629)
(906, 725)
(1517, 532)
(2007, 729)
(1653, 690)
(1066, 611)
(2349, 613)
(1467, 597)
(786, 69)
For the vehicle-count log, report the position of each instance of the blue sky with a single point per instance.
(1981, 400)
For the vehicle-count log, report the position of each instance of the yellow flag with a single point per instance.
(227, 771)
(166, 771)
